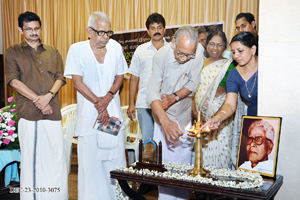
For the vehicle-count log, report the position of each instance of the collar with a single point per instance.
(165, 42)
(25, 44)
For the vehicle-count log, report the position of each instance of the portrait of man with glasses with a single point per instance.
(258, 143)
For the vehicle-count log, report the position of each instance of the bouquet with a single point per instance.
(9, 125)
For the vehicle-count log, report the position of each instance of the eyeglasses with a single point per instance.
(101, 33)
(242, 26)
(258, 140)
(36, 29)
(219, 45)
(189, 56)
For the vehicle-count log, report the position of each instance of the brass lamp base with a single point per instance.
(202, 172)
(198, 169)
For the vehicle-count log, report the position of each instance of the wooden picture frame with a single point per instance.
(150, 152)
(259, 144)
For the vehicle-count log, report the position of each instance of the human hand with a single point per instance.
(171, 130)
(167, 100)
(47, 110)
(102, 102)
(212, 124)
(131, 112)
(42, 101)
(103, 118)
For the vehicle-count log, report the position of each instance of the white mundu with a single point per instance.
(48, 169)
(98, 152)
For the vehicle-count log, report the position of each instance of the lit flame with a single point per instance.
(206, 129)
(190, 130)
(196, 128)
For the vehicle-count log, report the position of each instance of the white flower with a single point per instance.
(12, 139)
(180, 172)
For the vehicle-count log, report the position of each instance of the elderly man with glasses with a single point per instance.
(260, 142)
(175, 78)
(97, 67)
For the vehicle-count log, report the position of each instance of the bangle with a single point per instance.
(224, 113)
(53, 95)
(216, 116)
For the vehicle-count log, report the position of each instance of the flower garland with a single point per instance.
(8, 125)
(178, 171)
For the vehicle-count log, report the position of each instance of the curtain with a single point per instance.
(64, 22)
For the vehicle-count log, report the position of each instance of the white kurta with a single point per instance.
(98, 152)
(141, 66)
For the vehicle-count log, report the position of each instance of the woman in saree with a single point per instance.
(210, 96)
(242, 79)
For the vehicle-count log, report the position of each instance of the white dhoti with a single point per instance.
(43, 162)
(94, 180)
(179, 152)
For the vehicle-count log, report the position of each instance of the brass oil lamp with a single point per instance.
(199, 135)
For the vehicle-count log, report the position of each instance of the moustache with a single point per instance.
(157, 34)
(34, 35)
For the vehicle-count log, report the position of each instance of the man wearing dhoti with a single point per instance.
(97, 67)
(35, 70)
(175, 77)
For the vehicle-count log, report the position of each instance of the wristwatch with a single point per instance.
(176, 96)
(53, 95)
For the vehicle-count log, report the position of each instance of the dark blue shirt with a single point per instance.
(236, 83)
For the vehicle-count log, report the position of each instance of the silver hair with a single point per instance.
(190, 31)
(97, 16)
(268, 128)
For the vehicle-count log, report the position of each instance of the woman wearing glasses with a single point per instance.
(243, 80)
(210, 96)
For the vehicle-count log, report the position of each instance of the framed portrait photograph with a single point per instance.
(259, 143)
(150, 152)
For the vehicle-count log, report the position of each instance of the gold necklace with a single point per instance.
(249, 93)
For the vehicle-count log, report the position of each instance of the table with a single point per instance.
(267, 191)
(8, 162)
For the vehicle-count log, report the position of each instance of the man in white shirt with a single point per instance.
(141, 70)
(175, 78)
(260, 142)
(97, 67)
